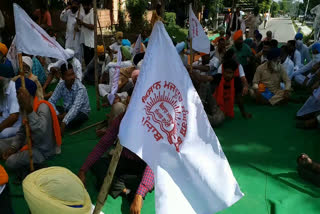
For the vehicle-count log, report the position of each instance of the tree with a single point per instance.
(275, 7)
(136, 9)
(284, 6)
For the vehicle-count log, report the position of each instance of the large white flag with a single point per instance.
(115, 74)
(32, 39)
(200, 41)
(166, 125)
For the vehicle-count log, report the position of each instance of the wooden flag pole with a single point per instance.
(104, 191)
(95, 55)
(104, 44)
(28, 137)
(88, 127)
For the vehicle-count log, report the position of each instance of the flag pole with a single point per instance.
(95, 55)
(28, 138)
(104, 191)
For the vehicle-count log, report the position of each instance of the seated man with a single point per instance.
(27, 67)
(310, 111)
(286, 62)
(309, 69)
(262, 55)
(44, 130)
(294, 54)
(9, 107)
(302, 48)
(76, 105)
(267, 81)
(132, 176)
(230, 86)
(116, 45)
(269, 36)
(53, 69)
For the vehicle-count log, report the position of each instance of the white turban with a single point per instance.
(28, 61)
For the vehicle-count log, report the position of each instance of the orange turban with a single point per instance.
(3, 176)
(3, 49)
(237, 35)
(202, 54)
(100, 50)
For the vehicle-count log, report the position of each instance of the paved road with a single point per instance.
(281, 27)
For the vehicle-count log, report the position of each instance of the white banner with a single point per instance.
(200, 41)
(32, 39)
(165, 124)
(12, 55)
(115, 74)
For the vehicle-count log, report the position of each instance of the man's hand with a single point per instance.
(79, 21)
(25, 100)
(245, 91)
(8, 153)
(63, 127)
(61, 116)
(82, 176)
(286, 94)
(136, 205)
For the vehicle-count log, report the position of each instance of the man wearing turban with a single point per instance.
(44, 130)
(9, 107)
(267, 80)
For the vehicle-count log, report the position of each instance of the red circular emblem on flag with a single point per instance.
(165, 113)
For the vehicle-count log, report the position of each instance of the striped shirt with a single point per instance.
(108, 140)
(75, 100)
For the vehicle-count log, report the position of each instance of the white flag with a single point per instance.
(115, 74)
(137, 47)
(200, 41)
(32, 39)
(165, 124)
(12, 55)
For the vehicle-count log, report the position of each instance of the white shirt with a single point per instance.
(241, 71)
(72, 42)
(288, 66)
(297, 59)
(10, 104)
(77, 68)
(304, 51)
(87, 35)
(115, 47)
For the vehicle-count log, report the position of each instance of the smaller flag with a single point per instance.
(115, 74)
(137, 47)
(12, 55)
(200, 41)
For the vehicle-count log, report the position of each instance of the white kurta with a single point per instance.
(77, 68)
(72, 40)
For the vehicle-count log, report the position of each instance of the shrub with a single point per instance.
(170, 18)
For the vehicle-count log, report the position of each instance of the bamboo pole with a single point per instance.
(28, 137)
(104, 44)
(104, 191)
(88, 127)
(95, 55)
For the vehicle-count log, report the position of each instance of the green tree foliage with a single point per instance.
(275, 7)
(136, 9)
(284, 6)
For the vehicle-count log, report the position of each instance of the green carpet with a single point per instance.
(262, 153)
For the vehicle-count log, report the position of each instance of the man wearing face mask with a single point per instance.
(302, 48)
(267, 81)
(69, 15)
(117, 45)
(299, 76)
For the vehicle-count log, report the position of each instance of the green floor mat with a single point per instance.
(262, 153)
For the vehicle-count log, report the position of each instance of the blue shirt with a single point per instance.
(74, 101)
(38, 70)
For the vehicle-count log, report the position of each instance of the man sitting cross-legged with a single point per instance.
(44, 130)
(267, 79)
(76, 105)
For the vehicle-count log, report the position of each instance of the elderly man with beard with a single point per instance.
(267, 81)
(9, 107)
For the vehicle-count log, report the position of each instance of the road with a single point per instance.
(281, 27)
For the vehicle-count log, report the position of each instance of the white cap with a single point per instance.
(28, 61)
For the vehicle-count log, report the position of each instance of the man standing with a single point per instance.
(266, 19)
(69, 15)
(76, 105)
(9, 107)
(253, 22)
(243, 54)
(267, 81)
(44, 130)
(87, 31)
(236, 21)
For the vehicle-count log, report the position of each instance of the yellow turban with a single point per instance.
(119, 35)
(100, 50)
(237, 35)
(3, 49)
